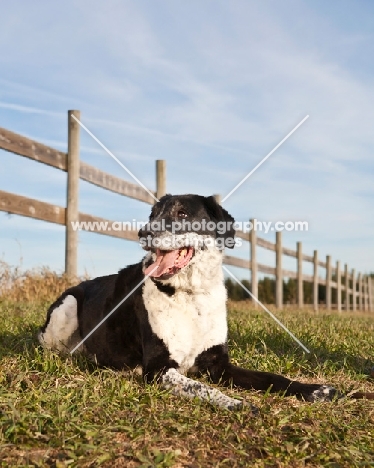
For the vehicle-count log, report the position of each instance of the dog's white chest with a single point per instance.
(187, 323)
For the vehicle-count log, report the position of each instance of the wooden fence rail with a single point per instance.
(355, 288)
(76, 170)
(358, 288)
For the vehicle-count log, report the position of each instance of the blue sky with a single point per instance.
(210, 86)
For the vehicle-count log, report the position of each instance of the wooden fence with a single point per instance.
(358, 287)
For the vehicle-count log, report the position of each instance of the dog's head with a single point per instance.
(181, 226)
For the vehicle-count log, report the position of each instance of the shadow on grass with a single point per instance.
(19, 343)
(25, 344)
(283, 346)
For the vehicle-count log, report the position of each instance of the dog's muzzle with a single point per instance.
(169, 262)
(171, 252)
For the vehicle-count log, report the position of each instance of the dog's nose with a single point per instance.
(146, 231)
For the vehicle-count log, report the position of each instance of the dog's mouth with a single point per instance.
(169, 262)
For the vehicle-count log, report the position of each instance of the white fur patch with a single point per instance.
(62, 332)
(324, 393)
(184, 386)
(194, 318)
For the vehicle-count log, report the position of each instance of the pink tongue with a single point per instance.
(164, 261)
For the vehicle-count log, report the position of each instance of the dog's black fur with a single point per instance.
(174, 322)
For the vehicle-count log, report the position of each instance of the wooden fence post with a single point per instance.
(328, 282)
(347, 295)
(300, 291)
(359, 291)
(369, 294)
(72, 212)
(278, 271)
(315, 280)
(354, 290)
(217, 196)
(338, 287)
(366, 293)
(254, 276)
(371, 306)
(160, 178)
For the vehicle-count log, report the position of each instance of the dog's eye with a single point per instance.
(182, 214)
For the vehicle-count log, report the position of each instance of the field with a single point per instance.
(64, 412)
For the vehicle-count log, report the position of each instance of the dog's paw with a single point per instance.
(324, 393)
(254, 410)
(240, 404)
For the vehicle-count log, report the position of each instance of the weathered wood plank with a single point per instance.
(217, 196)
(365, 291)
(346, 288)
(114, 184)
(243, 235)
(289, 274)
(259, 241)
(161, 179)
(16, 204)
(121, 234)
(72, 195)
(308, 278)
(308, 258)
(18, 144)
(278, 268)
(237, 262)
(289, 252)
(265, 244)
(354, 290)
(315, 280)
(328, 282)
(338, 286)
(360, 296)
(31, 149)
(299, 276)
(265, 269)
(254, 266)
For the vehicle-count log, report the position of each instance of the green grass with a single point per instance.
(64, 412)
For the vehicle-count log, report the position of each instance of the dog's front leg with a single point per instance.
(186, 387)
(159, 367)
(215, 362)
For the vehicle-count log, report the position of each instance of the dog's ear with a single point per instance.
(218, 214)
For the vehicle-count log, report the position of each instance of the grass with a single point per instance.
(61, 412)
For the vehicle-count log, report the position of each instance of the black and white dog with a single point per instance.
(175, 322)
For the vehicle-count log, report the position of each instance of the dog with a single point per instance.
(167, 314)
